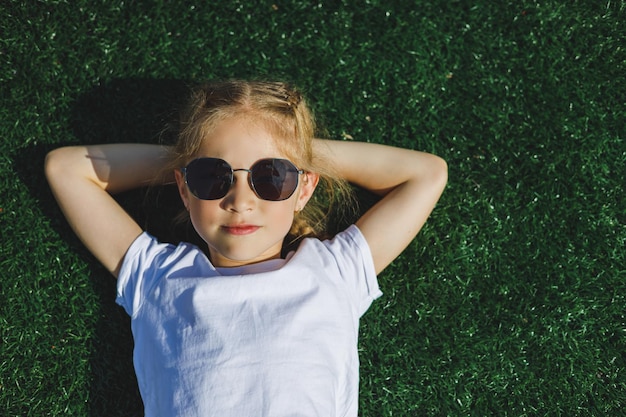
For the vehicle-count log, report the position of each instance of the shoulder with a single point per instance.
(149, 261)
(345, 243)
(347, 252)
(346, 258)
(147, 252)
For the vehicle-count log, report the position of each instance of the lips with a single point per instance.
(240, 229)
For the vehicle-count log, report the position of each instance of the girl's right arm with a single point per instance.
(82, 179)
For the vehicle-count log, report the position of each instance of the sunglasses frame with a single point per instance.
(291, 167)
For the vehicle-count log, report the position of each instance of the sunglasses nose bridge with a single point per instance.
(242, 169)
(248, 177)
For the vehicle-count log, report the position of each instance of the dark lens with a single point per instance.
(208, 178)
(274, 179)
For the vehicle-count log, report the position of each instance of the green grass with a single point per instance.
(512, 300)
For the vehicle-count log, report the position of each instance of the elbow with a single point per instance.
(54, 163)
(58, 163)
(442, 166)
(439, 171)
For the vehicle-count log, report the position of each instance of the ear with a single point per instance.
(182, 188)
(308, 183)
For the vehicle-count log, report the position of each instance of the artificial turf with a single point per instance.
(512, 299)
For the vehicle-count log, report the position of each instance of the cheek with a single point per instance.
(282, 216)
(202, 213)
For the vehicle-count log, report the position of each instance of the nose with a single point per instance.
(240, 197)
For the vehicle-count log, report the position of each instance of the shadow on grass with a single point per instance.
(129, 110)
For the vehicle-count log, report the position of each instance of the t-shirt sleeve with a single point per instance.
(140, 271)
(354, 260)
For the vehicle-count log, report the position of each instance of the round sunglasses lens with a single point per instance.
(208, 178)
(274, 179)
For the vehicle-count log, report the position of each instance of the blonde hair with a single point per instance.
(281, 109)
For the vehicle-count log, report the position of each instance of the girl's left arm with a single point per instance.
(409, 182)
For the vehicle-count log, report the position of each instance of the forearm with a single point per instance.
(379, 168)
(114, 167)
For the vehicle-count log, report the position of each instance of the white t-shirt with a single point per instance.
(277, 338)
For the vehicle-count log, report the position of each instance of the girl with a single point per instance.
(263, 321)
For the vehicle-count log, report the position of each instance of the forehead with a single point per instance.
(240, 141)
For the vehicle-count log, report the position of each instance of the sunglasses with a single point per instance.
(271, 179)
